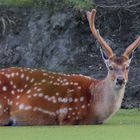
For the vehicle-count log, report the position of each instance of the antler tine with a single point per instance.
(91, 19)
(132, 47)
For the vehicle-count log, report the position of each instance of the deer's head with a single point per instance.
(118, 66)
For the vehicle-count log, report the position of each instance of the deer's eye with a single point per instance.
(111, 68)
(127, 68)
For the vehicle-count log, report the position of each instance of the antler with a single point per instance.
(91, 19)
(132, 47)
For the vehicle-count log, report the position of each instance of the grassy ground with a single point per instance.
(123, 126)
(55, 4)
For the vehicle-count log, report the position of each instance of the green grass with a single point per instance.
(80, 4)
(16, 2)
(125, 125)
(55, 4)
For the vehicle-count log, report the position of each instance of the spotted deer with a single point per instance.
(39, 97)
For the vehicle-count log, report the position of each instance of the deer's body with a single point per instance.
(38, 97)
(34, 97)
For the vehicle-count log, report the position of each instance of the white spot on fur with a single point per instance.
(83, 106)
(78, 113)
(28, 91)
(69, 108)
(64, 84)
(54, 101)
(73, 113)
(35, 88)
(35, 84)
(81, 99)
(11, 82)
(70, 90)
(27, 78)
(17, 103)
(43, 81)
(77, 118)
(44, 111)
(45, 74)
(57, 94)
(71, 83)
(57, 84)
(13, 92)
(40, 94)
(21, 90)
(18, 90)
(29, 96)
(51, 82)
(18, 97)
(46, 96)
(10, 103)
(24, 107)
(35, 95)
(39, 89)
(4, 110)
(21, 106)
(32, 80)
(12, 74)
(76, 108)
(4, 88)
(79, 87)
(8, 75)
(76, 84)
(63, 110)
(3, 73)
(64, 100)
(17, 74)
(70, 100)
(14, 86)
(75, 100)
(22, 76)
(27, 107)
(59, 99)
(25, 86)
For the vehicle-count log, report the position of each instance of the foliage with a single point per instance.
(55, 4)
(16, 2)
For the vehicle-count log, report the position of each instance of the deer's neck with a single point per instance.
(107, 99)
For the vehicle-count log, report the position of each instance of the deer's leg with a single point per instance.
(4, 119)
(23, 118)
(99, 122)
(33, 111)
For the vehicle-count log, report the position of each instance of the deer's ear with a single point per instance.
(104, 56)
(130, 56)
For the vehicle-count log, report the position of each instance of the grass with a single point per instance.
(123, 126)
(55, 4)
(16, 2)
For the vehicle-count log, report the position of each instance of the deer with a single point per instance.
(40, 97)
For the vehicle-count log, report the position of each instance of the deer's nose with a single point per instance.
(120, 80)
